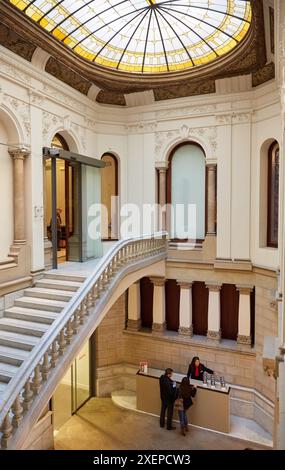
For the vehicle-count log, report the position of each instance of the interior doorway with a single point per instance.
(72, 203)
(73, 390)
(64, 200)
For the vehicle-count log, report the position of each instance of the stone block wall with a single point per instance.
(118, 353)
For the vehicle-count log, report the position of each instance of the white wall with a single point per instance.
(230, 127)
(6, 199)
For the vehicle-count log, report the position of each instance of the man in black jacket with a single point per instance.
(167, 395)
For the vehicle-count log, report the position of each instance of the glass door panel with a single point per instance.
(91, 213)
(63, 400)
(73, 198)
(82, 376)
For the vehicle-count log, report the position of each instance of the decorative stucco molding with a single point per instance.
(165, 141)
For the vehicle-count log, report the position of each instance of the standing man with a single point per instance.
(167, 395)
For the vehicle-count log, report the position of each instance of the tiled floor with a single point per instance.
(241, 428)
(101, 425)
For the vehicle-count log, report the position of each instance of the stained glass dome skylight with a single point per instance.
(144, 36)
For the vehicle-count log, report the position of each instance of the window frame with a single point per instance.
(169, 195)
(274, 147)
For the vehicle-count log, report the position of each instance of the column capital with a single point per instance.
(214, 286)
(212, 166)
(158, 281)
(19, 153)
(162, 167)
(244, 289)
(184, 284)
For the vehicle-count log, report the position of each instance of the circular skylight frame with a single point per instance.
(64, 12)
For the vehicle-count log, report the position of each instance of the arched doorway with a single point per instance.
(109, 197)
(64, 199)
(72, 201)
(186, 192)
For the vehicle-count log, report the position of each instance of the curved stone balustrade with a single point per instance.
(31, 388)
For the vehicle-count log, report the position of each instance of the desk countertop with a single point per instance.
(156, 373)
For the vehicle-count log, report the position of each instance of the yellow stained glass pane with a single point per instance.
(144, 36)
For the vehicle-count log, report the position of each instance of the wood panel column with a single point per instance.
(18, 157)
(185, 309)
(159, 323)
(214, 312)
(244, 315)
(134, 307)
(211, 199)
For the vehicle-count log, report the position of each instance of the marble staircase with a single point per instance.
(25, 323)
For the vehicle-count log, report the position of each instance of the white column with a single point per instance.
(162, 195)
(134, 307)
(280, 62)
(185, 309)
(211, 199)
(214, 312)
(18, 156)
(244, 315)
(159, 323)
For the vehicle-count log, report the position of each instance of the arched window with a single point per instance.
(59, 142)
(109, 191)
(273, 195)
(186, 192)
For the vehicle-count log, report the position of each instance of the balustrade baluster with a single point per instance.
(61, 342)
(7, 430)
(27, 396)
(17, 411)
(82, 313)
(54, 353)
(90, 301)
(95, 292)
(46, 366)
(75, 323)
(69, 331)
(37, 380)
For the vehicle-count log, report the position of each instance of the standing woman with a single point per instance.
(184, 401)
(197, 369)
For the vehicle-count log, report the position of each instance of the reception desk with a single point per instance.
(211, 406)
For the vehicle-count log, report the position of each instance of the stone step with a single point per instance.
(7, 372)
(64, 277)
(52, 294)
(13, 356)
(17, 340)
(31, 314)
(40, 304)
(72, 286)
(23, 327)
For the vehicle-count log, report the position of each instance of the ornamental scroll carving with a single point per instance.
(205, 136)
(21, 111)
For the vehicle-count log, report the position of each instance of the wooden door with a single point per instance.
(200, 296)
(229, 311)
(172, 300)
(146, 291)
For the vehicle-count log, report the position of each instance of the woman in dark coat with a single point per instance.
(184, 401)
(196, 369)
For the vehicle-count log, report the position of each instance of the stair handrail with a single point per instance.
(30, 373)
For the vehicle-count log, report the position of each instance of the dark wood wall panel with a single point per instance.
(172, 300)
(229, 311)
(200, 296)
(146, 291)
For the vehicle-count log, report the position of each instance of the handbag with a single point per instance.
(178, 404)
